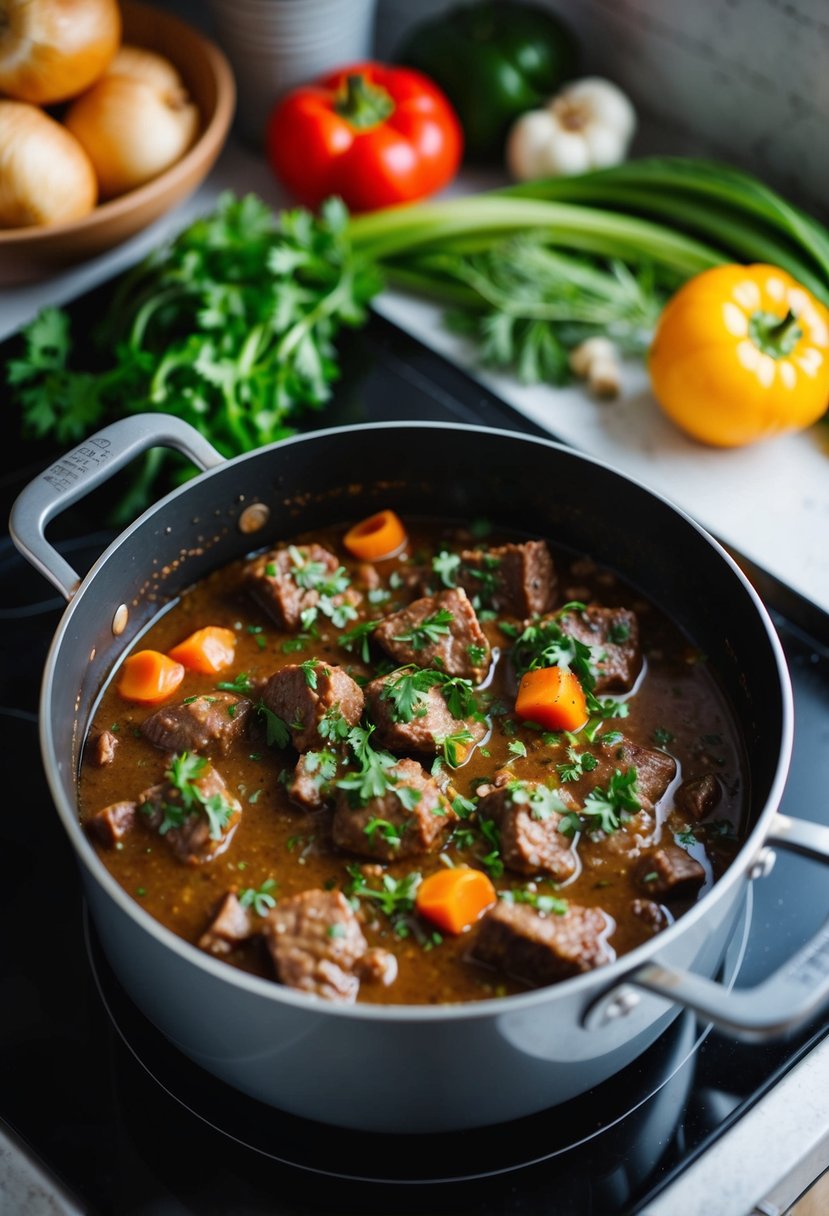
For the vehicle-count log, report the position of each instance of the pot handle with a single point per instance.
(90, 464)
(787, 997)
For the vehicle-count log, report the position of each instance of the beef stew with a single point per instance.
(283, 813)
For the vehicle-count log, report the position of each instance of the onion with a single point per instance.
(51, 50)
(45, 175)
(135, 122)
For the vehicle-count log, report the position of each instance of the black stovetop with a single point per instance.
(129, 1126)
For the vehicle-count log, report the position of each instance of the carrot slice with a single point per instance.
(552, 697)
(381, 535)
(454, 899)
(207, 650)
(149, 676)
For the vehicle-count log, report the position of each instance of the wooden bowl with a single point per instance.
(33, 253)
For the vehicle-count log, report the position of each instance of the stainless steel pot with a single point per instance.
(410, 1069)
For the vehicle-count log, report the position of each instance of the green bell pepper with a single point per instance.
(494, 61)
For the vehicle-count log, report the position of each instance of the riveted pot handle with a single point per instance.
(789, 996)
(90, 464)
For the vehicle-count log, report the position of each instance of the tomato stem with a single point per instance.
(363, 105)
(774, 335)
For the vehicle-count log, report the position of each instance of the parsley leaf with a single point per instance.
(395, 897)
(183, 774)
(430, 630)
(277, 732)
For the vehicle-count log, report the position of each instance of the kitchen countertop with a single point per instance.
(768, 503)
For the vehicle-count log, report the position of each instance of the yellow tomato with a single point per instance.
(741, 353)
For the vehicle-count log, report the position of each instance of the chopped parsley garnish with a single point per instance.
(277, 731)
(241, 684)
(609, 808)
(309, 671)
(378, 595)
(385, 828)
(476, 654)
(545, 644)
(322, 765)
(686, 837)
(546, 904)
(259, 898)
(541, 801)
(313, 575)
(449, 745)
(183, 775)
(491, 861)
(371, 779)
(619, 631)
(463, 807)
(332, 725)
(662, 737)
(517, 748)
(576, 765)
(408, 693)
(430, 630)
(486, 576)
(357, 638)
(395, 897)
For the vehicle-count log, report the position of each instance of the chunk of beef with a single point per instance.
(670, 872)
(377, 966)
(411, 817)
(289, 581)
(431, 721)
(102, 749)
(614, 635)
(655, 770)
(317, 701)
(210, 722)
(542, 949)
(229, 928)
(315, 941)
(650, 914)
(438, 631)
(194, 835)
(518, 580)
(698, 796)
(112, 823)
(527, 815)
(312, 782)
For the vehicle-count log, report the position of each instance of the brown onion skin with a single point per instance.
(45, 175)
(51, 50)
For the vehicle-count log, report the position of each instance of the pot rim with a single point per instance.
(610, 975)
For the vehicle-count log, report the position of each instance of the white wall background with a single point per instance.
(745, 80)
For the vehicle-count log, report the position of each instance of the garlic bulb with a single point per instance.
(135, 122)
(588, 125)
(45, 175)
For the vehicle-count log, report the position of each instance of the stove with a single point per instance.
(100, 1114)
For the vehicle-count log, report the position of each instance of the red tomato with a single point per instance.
(373, 134)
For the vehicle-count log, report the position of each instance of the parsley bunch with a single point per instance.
(231, 327)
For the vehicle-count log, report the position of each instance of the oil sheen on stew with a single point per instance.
(476, 766)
